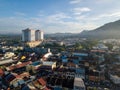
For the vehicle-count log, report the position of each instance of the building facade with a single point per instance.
(39, 35)
(79, 84)
(28, 35)
(115, 79)
(32, 38)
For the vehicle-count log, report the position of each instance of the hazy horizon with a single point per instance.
(56, 16)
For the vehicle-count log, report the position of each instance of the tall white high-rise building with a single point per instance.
(39, 35)
(28, 35)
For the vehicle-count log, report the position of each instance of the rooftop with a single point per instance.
(78, 82)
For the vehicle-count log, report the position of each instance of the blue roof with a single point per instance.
(64, 57)
(25, 88)
(35, 63)
(21, 82)
(80, 70)
(57, 88)
(48, 63)
(15, 84)
(80, 54)
(10, 77)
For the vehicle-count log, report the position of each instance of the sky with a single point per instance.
(56, 16)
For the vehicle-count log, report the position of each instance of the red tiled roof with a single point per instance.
(22, 75)
(44, 58)
(97, 51)
(1, 72)
(70, 64)
(93, 78)
(19, 65)
(42, 82)
(47, 89)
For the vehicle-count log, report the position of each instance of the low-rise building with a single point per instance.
(33, 43)
(8, 55)
(115, 79)
(79, 84)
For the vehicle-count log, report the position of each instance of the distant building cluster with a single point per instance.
(59, 64)
(29, 35)
(32, 38)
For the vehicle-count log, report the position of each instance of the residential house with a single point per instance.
(79, 84)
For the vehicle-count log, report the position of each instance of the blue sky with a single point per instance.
(53, 16)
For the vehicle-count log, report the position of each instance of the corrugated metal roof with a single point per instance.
(48, 63)
(1, 72)
(18, 66)
(78, 82)
(42, 82)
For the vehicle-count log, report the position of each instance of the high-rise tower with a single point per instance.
(39, 35)
(28, 35)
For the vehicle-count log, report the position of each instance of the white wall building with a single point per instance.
(28, 35)
(8, 55)
(115, 79)
(39, 35)
(79, 84)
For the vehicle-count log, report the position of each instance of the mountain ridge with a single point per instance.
(108, 30)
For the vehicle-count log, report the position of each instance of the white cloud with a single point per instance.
(69, 26)
(104, 1)
(84, 9)
(107, 15)
(80, 17)
(59, 22)
(16, 24)
(41, 13)
(62, 22)
(79, 10)
(116, 14)
(75, 1)
(20, 13)
(57, 17)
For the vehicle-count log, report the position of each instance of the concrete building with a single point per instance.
(115, 79)
(79, 84)
(28, 35)
(33, 43)
(8, 55)
(39, 35)
(32, 38)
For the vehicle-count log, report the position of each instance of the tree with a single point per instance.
(78, 46)
(61, 49)
(109, 45)
(89, 44)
